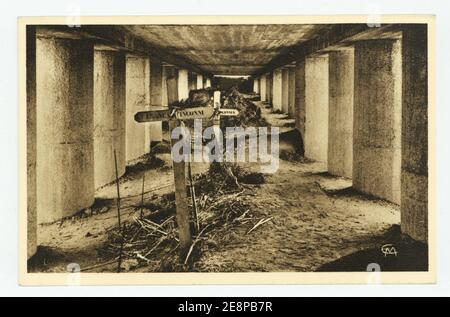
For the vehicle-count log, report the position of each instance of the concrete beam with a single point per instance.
(377, 118)
(329, 38)
(65, 150)
(119, 37)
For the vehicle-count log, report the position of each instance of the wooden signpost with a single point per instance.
(175, 117)
(183, 114)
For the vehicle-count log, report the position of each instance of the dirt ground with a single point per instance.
(316, 221)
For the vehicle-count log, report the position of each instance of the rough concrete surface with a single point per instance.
(109, 115)
(136, 97)
(316, 108)
(414, 190)
(340, 133)
(377, 118)
(65, 150)
(277, 90)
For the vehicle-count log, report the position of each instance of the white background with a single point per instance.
(10, 10)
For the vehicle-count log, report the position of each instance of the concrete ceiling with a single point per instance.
(227, 49)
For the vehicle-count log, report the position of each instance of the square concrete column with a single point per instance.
(277, 90)
(316, 108)
(256, 85)
(165, 75)
(137, 99)
(31, 140)
(147, 97)
(414, 188)
(269, 88)
(340, 123)
(300, 103)
(192, 81)
(208, 83)
(199, 81)
(377, 118)
(109, 114)
(285, 90)
(65, 126)
(168, 71)
(263, 88)
(156, 97)
(183, 84)
(291, 108)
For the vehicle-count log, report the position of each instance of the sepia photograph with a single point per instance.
(226, 149)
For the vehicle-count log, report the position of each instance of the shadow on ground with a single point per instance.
(411, 256)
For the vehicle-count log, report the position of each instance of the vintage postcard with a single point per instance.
(227, 150)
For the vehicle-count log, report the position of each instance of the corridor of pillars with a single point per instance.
(361, 109)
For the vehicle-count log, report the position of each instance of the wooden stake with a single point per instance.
(194, 202)
(142, 196)
(179, 174)
(119, 264)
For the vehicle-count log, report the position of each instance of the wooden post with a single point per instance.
(217, 106)
(179, 169)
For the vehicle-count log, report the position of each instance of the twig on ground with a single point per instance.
(259, 224)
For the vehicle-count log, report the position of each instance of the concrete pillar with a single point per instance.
(340, 123)
(167, 72)
(377, 118)
(414, 171)
(285, 90)
(165, 75)
(263, 88)
(277, 90)
(156, 97)
(316, 108)
(208, 83)
(192, 81)
(137, 86)
(183, 84)
(291, 108)
(256, 85)
(31, 141)
(65, 131)
(147, 97)
(109, 115)
(199, 81)
(300, 103)
(269, 89)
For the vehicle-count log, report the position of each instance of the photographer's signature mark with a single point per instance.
(389, 249)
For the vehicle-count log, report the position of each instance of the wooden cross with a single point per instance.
(175, 117)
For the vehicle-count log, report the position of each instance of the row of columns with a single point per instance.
(278, 89)
(81, 102)
(362, 110)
